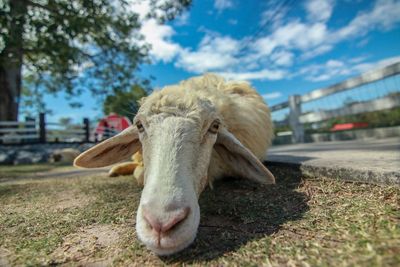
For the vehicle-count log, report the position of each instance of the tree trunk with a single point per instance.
(11, 62)
(10, 82)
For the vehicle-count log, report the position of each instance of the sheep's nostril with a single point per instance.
(170, 219)
(178, 216)
(151, 221)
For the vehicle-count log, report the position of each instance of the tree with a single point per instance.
(71, 46)
(124, 103)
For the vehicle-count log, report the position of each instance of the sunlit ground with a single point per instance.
(90, 219)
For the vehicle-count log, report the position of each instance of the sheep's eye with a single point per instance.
(140, 127)
(214, 127)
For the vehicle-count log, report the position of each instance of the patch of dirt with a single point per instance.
(58, 202)
(72, 199)
(4, 254)
(95, 245)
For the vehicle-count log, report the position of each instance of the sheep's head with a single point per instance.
(177, 142)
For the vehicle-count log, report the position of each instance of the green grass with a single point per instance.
(86, 219)
(11, 170)
(29, 170)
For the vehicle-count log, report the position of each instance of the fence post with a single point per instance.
(33, 127)
(294, 119)
(42, 128)
(86, 126)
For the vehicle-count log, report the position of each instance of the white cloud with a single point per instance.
(282, 58)
(319, 50)
(289, 39)
(223, 4)
(294, 35)
(364, 67)
(273, 95)
(213, 53)
(335, 64)
(337, 68)
(264, 46)
(79, 69)
(319, 10)
(256, 75)
(356, 60)
(159, 37)
(142, 8)
(183, 19)
(384, 15)
(313, 38)
(324, 71)
(274, 14)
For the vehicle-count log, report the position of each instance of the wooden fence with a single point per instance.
(40, 131)
(301, 109)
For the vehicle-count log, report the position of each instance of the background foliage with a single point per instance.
(76, 45)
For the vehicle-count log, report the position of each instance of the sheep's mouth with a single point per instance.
(169, 245)
(172, 241)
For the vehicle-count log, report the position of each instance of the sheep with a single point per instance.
(189, 135)
(66, 155)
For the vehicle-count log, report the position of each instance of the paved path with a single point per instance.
(374, 160)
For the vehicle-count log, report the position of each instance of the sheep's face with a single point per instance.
(176, 155)
(176, 147)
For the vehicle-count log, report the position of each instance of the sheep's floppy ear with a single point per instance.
(110, 151)
(240, 159)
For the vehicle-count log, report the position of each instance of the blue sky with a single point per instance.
(281, 47)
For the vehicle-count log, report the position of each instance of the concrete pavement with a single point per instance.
(373, 160)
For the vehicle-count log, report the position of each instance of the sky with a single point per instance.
(282, 47)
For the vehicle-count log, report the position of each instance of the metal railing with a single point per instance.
(370, 92)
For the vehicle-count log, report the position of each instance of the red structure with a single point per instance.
(111, 125)
(348, 126)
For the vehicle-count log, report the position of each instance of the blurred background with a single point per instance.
(72, 71)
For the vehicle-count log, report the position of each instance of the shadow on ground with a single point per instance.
(237, 212)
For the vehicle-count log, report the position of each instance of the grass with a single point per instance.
(15, 170)
(29, 170)
(90, 219)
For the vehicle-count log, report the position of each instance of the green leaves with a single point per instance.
(76, 45)
(124, 102)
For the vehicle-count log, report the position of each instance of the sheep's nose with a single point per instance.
(165, 221)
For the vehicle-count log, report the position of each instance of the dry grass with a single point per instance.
(90, 220)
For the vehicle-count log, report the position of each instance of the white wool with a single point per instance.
(242, 110)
